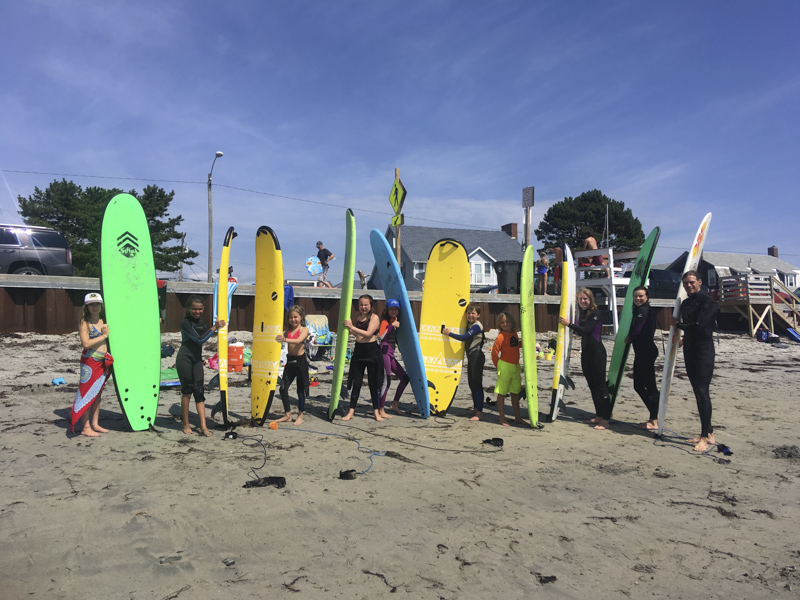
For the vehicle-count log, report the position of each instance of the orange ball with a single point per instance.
(273, 425)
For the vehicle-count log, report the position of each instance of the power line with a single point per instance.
(231, 187)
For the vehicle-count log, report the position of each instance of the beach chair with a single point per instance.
(321, 340)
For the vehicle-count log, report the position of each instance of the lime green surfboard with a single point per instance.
(345, 306)
(527, 318)
(128, 283)
(222, 315)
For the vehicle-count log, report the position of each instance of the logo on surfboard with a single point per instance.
(128, 245)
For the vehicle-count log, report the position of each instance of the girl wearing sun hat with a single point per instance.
(95, 364)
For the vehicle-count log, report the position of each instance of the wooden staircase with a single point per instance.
(762, 300)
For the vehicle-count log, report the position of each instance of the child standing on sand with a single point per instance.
(387, 334)
(474, 338)
(95, 362)
(366, 357)
(189, 362)
(296, 363)
(505, 356)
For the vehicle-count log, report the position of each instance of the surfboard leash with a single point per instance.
(720, 448)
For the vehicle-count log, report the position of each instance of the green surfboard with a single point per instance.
(527, 317)
(619, 356)
(345, 305)
(128, 283)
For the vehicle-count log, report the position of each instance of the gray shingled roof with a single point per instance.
(416, 242)
(743, 263)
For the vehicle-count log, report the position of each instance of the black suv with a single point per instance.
(29, 250)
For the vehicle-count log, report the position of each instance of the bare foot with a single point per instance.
(649, 425)
(519, 421)
(477, 416)
(284, 419)
(188, 431)
(377, 414)
(205, 432)
(504, 423)
(99, 429)
(349, 415)
(384, 415)
(594, 421)
(395, 408)
(703, 444)
(89, 432)
(299, 420)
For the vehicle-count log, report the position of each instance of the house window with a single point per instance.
(477, 273)
(487, 270)
(419, 271)
(712, 278)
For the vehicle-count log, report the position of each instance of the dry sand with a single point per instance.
(562, 512)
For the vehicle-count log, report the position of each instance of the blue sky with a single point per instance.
(674, 108)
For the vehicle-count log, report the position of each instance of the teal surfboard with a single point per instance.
(527, 324)
(407, 338)
(128, 283)
(345, 306)
(619, 356)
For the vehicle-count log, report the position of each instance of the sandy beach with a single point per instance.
(560, 512)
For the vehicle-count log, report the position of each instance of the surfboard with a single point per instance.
(527, 325)
(407, 339)
(561, 379)
(619, 356)
(345, 306)
(128, 284)
(673, 342)
(444, 302)
(222, 332)
(267, 323)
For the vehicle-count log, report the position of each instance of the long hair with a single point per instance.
(371, 304)
(300, 311)
(509, 317)
(85, 313)
(586, 292)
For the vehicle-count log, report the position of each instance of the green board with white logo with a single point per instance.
(128, 281)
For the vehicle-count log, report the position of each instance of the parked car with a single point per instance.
(29, 250)
(664, 284)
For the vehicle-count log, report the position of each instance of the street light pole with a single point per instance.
(211, 223)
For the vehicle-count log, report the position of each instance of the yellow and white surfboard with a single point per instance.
(444, 301)
(267, 323)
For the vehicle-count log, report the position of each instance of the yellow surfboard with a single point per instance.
(444, 301)
(267, 323)
(222, 315)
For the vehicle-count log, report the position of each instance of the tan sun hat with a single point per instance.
(92, 297)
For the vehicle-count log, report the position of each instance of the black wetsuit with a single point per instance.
(474, 337)
(189, 362)
(296, 367)
(643, 328)
(697, 322)
(593, 361)
(366, 356)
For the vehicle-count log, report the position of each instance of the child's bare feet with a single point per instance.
(205, 432)
(519, 421)
(594, 421)
(89, 432)
(384, 415)
(601, 424)
(188, 430)
(377, 414)
(99, 429)
(299, 420)
(284, 418)
(395, 408)
(349, 415)
(504, 423)
(477, 417)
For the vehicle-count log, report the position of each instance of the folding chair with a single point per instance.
(321, 340)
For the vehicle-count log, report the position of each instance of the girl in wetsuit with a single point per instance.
(474, 338)
(366, 356)
(189, 362)
(296, 363)
(593, 356)
(95, 363)
(387, 334)
(643, 328)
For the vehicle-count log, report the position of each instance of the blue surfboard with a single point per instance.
(407, 338)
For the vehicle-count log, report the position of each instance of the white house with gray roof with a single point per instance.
(719, 264)
(484, 249)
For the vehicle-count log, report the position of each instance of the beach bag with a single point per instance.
(167, 350)
(762, 335)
